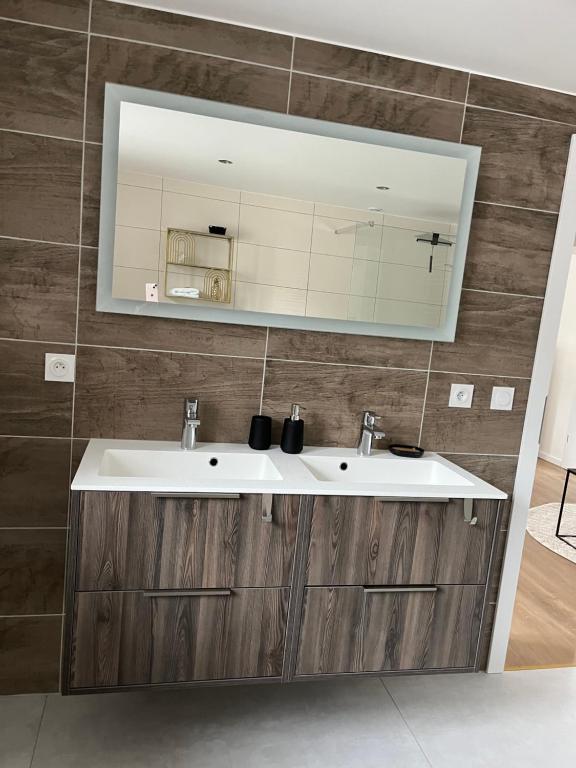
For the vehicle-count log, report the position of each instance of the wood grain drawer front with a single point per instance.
(138, 541)
(130, 638)
(350, 629)
(359, 540)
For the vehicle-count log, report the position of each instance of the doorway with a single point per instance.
(531, 437)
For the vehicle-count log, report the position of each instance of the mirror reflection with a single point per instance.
(221, 213)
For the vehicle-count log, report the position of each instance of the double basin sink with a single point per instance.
(218, 467)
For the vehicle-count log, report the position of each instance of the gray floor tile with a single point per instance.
(337, 724)
(514, 720)
(19, 721)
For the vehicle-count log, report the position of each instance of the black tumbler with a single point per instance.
(260, 433)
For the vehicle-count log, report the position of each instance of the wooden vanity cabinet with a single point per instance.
(394, 586)
(192, 590)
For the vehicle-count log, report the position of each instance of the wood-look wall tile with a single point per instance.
(145, 66)
(28, 404)
(286, 344)
(31, 571)
(496, 334)
(193, 34)
(30, 653)
(134, 394)
(40, 187)
(42, 87)
(34, 482)
(39, 287)
(386, 110)
(523, 159)
(477, 429)
(522, 99)
(78, 448)
(71, 14)
(334, 398)
(359, 66)
(499, 471)
(91, 196)
(509, 250)
(159, 332)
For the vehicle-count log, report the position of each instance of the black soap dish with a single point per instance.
(407, 451)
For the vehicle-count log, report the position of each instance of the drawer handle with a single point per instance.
(375, 590)
(195, 495)
(187, 593)
(438, 500)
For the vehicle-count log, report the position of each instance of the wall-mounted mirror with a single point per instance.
(221, 213)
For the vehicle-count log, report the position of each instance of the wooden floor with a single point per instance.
(544, 623)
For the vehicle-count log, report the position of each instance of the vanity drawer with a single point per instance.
(362, 540)
(142, 638)
(142, 541)
(359, 629)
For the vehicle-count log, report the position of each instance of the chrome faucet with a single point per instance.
(368, 433)
(191, 424)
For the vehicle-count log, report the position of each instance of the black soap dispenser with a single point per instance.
(292, 440)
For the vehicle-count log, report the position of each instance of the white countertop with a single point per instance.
(162, 467)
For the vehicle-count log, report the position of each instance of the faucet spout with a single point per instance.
(190, 424)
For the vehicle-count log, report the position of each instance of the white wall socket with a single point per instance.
(59, 367)
(502, 398)
(461, 395)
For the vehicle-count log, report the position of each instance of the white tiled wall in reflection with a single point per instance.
(293, 257)
(272, 266)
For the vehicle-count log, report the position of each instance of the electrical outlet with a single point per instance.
(461, 395)
(59, 367)
(502, 398)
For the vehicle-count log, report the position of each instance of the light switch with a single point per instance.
(502, 398)
(461, 395)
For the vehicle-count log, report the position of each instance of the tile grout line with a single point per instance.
(517, 207)
(44, 26)
(41, 437)
(264, 370)
(290, 77)
(503, 293)
(406, 723)
(425, 393)
(81, 216)
(31, 615)
(40, 135)
(41, 242)
(33, 527)
(375, 87)
(465, 106)
(40, 722)
(78, 284)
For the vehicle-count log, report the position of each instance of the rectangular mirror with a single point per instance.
(221, 213)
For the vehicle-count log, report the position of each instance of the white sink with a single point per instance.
(382, 470)
(194, 466)
(223, 468)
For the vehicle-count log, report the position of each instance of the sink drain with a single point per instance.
(213, 462)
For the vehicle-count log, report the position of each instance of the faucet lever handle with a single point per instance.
(190, 408)
(369, 418)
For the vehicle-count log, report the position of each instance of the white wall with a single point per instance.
(560, 417)
(287, 256)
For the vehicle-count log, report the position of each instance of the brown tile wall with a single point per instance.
(132, 372)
